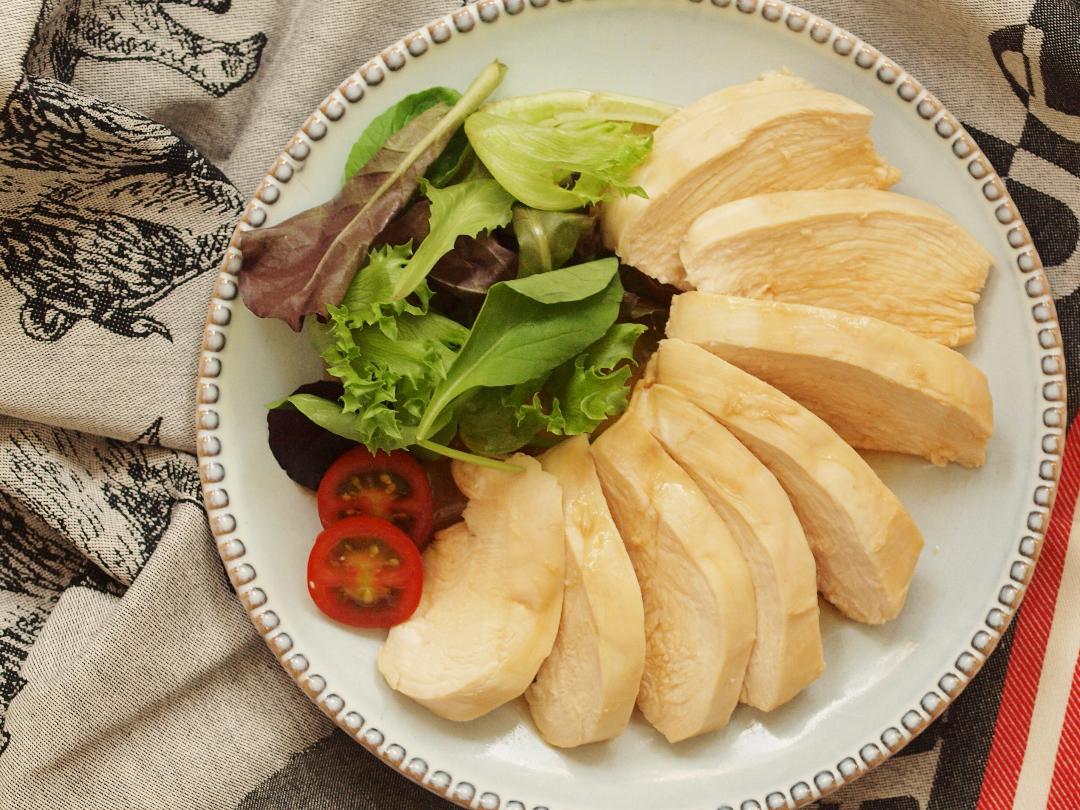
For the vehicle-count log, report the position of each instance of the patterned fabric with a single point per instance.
(130, 133)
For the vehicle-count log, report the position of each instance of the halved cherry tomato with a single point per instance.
(365, 572)
(391, 486)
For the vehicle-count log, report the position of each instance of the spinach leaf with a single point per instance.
(547, 239)
(390, 122)
(569, 284)
(528, 327)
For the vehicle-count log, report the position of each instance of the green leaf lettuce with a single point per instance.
(576, 398)
(560, 167)
(463, 209)
(547, 239)
(391, 121)
(527, 327)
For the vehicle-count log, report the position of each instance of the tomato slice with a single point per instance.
(391, 486)
(365, 572)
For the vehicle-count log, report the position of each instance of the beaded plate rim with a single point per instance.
(842, 44)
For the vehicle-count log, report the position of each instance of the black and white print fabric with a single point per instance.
(1039, 154)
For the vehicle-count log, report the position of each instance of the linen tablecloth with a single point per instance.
(131, 131)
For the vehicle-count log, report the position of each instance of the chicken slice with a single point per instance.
(863, 539)
(493, 587)
(787, 653)
(773, 134)
(695, 584)
(586, 689)
(864, 251)
(879, 386)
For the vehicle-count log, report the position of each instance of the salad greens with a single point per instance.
(457, 162)
(389, 375)
(392, 121)
(303, 449)
(389, 351)
(464, 209)
(562, 150)
(562, 166)
(547, 239)
(461, 278)
(528, 327)
(454, 162)
(538, 349)
(387, 378)
(405, 371)
(560, 106)
(577, 397)
(305, 264)
(287, 270)
(592, 386)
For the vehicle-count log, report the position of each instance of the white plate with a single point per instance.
(982, 528)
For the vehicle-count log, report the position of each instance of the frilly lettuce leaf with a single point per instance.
(384, 345)
(388, 375)
(560, 106)
(559, 167)
(369, 299)
(592, 388)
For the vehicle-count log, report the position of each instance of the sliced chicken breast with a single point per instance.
(787, 653)
(586, 689)
(864, 251)
(695, 584)
(865, 543)
(879, 386)
(773, 134)
(492, 597)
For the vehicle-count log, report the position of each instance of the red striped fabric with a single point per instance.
(1029, 646)
(1065, 787)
